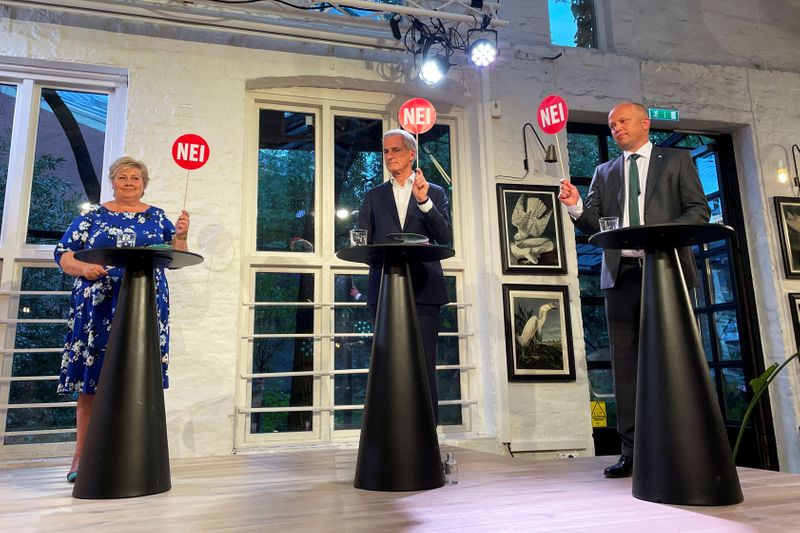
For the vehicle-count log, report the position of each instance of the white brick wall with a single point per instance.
(705, 58)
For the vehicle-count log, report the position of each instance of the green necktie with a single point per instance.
(633, 191)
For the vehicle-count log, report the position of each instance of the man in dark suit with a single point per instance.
(407, 203)
(645, 185)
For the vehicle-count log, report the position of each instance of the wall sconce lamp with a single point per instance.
(549, 152)
(783, 171)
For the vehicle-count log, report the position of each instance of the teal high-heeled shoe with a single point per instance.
(72, 476)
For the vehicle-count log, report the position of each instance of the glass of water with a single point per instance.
(609, 223)
(358, 237)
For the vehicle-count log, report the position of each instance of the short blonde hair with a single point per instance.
(128, 162)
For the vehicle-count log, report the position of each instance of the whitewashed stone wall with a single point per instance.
(725, 71)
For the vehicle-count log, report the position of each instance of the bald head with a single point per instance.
(630, 125)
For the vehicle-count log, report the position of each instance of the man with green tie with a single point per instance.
(646, 184)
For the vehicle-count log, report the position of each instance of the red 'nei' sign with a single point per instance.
(417, 115)
(552, 114)
(190, 151)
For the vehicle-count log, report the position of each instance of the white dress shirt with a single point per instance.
(402, 196)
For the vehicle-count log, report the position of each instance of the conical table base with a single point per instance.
(399, 447)
(681, 451)
(126, 452)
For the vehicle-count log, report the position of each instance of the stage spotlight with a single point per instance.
(482, 44)
(482, 53)
(434, 69)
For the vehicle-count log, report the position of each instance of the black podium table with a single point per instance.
(399, 447)
(125, 453)
(681, 451)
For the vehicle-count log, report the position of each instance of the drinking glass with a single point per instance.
(608, 223)
(358, 237)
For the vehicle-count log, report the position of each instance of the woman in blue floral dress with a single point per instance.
(94, 295)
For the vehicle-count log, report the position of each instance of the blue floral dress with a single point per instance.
(94, 302)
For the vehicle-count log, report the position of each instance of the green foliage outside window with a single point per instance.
(285, 219)
(580, 23)
(282, 354)
(55, 203)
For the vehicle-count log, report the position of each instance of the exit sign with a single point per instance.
(657, 113)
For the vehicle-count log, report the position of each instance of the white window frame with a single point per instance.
(30, 76)
(325, 104)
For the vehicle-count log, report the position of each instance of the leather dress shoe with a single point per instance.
(623, 468)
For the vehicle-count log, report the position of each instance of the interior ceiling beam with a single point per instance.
(180, 14)
(446, 10)
(275, 18)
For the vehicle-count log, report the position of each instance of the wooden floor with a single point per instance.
(313, 491)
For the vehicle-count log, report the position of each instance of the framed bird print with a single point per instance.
(538, 333)
(788, 210)
(531, 233)
(794, 302)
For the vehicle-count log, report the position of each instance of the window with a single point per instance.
(308, 337)
(68, 160)
(53, 139)
(572, 23)
(34, 414)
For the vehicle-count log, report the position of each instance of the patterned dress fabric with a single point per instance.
(94, 302)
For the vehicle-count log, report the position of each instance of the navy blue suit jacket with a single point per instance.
(673, 193)
(378, 215)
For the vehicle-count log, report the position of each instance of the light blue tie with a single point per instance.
(633, 191)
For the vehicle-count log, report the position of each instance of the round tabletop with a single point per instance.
(161, 257)
(661, 236)
(375, 253)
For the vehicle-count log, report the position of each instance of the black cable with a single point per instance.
(320, 7)
(421, 37)
(315, 8)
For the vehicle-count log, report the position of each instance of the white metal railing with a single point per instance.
(332, 408)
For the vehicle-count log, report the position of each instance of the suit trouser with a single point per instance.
(623, 305)
(429, 331)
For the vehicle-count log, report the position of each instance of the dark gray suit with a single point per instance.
(673, 193)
